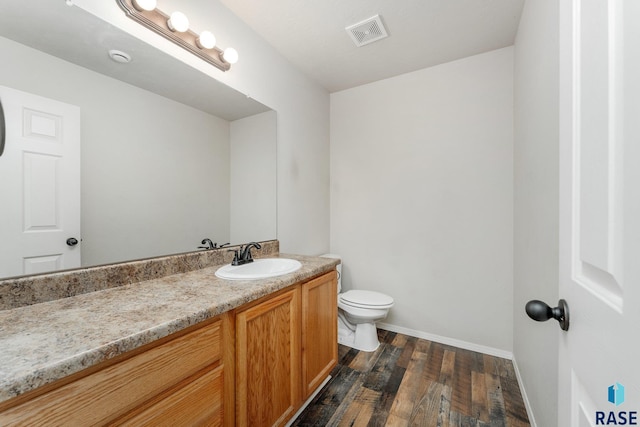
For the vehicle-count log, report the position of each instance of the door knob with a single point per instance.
(2, 129)
(538, 310)
(72, 241)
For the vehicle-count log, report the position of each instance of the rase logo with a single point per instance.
(615, 396)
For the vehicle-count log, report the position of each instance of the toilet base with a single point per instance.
(364, 338)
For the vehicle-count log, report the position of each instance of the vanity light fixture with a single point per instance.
(176, 29)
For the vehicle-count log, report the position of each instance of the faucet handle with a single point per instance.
(208, 242)
(215, 245)
(235, 256)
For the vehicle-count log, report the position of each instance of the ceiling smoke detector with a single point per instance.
(119, 56)
(367, 31)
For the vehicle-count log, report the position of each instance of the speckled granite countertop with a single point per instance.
(44, 342)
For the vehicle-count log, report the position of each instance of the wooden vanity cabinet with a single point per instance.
(286, 345)
(319, 331)
(177, 380)
(253, 366)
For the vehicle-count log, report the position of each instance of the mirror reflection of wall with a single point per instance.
(253, 178)
(156, 174)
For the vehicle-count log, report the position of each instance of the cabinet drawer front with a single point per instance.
(115, 390)
(198, 403)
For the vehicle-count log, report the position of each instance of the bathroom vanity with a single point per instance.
(181, 349)
(286, 345)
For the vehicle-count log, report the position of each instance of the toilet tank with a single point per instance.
(339, 268)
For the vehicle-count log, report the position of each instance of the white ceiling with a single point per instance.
(309, 33)
(422, 33)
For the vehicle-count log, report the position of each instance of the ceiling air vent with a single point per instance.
(367, 31)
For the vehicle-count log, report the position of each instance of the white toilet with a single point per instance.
(358, 312)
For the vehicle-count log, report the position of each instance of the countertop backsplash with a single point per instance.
(29, 290)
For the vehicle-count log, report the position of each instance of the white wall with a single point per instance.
(536, 203)
(422, 196)
(253, 178)
(302, 106)
(144, 160)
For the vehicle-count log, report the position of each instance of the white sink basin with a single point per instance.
(259, 269)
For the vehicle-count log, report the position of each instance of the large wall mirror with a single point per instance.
(169, 156)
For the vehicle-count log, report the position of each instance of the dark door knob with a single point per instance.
(2, 129)
(72, 241)
(538, 310)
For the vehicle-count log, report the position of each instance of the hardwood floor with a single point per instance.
(414, 382)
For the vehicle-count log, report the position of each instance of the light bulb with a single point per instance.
(230, 55)
(178, 22)
(147, 5)
(206, 40)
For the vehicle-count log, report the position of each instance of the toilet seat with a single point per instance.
(366, 299)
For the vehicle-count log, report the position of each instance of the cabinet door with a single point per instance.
(319, 330)
(268, 361)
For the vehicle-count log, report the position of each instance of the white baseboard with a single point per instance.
(448, 341)
(523, 392)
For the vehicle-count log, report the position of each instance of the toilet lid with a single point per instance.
(360, 298)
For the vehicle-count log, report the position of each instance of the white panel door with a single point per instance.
(39, 184)
(600, 212)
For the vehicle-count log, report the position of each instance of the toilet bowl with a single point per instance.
(358, 310)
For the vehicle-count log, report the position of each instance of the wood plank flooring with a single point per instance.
(414, 382)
